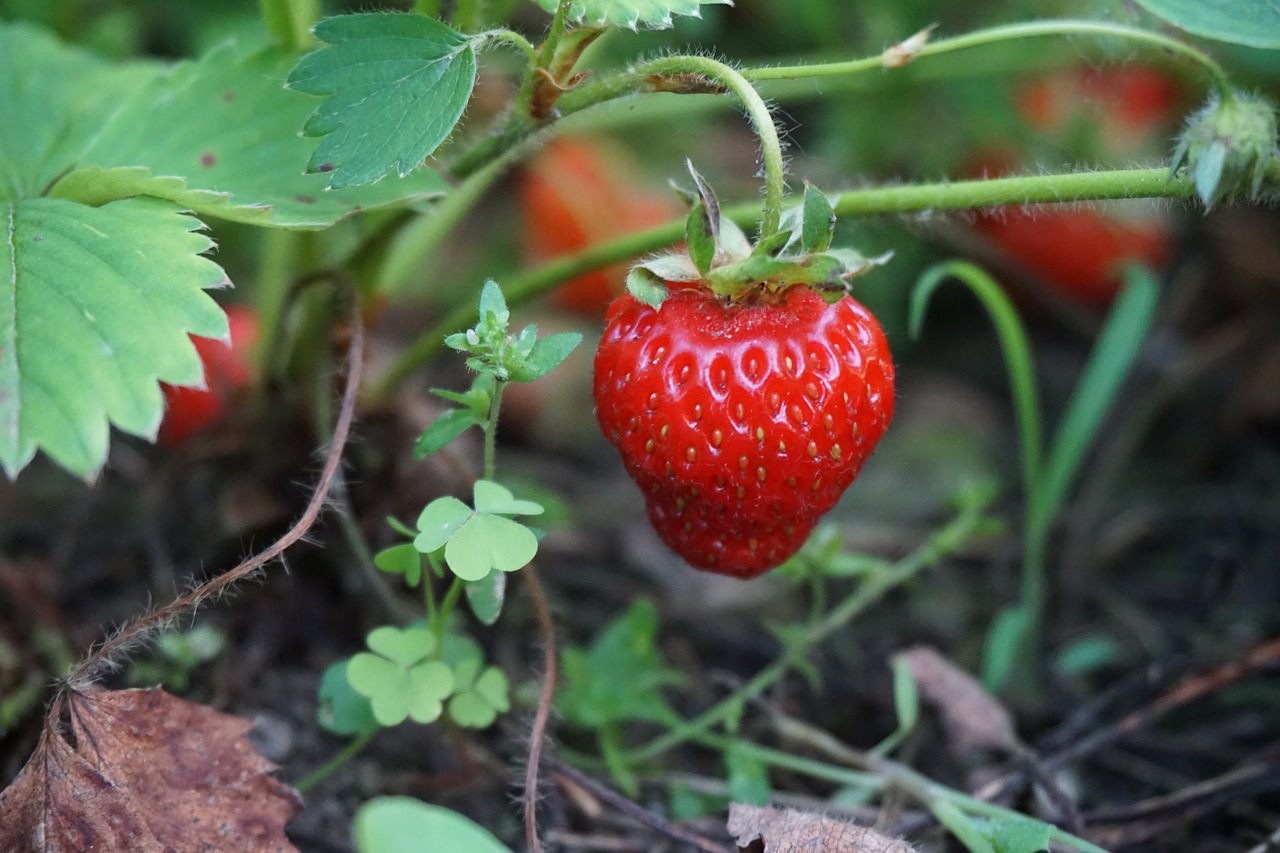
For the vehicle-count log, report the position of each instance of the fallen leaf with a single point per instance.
(974, 718)
(791, 831)
(141, 771)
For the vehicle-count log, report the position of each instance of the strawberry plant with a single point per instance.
(374, 174)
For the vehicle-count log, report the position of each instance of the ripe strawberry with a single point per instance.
(190, 410)
(742, 421)
(577, 193)
(1080, 252)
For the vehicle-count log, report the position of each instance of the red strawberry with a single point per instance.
(742, 422)
(227, 370)
(1081, 253)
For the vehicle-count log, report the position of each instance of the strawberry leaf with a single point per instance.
(219, 136)
(1245, 22)
(77, 284)
(396, 85)
(631, 13)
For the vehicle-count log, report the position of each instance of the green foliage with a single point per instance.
(98, 163)
(630, 13)
(341, 709)
(82, 284)
(824, 555)
(397, 824)
(480, 692)
(485, 597)
(1245, 22)
(176, 656)
(219, 136)
(477, 541)
(1227, 146)
(818, 223)
(748, 776)
(620, 677)
(394, 85)
(520, 358)
(403, 559)
(398, 677)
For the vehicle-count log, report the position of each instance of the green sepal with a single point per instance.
(700, 236)
(647, 286)
(818, 224)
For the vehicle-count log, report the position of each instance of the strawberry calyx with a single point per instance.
(720, 258)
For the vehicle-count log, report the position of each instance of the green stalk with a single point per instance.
(290, 21)
(520, 118)
(348, 752)
(958, 195)
(1008, 32)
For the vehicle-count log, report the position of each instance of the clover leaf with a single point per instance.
(403, 559)
(340, 709)
(480, 694)
(478, 541)
(398, 679)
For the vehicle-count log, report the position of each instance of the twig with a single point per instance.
(634, 810)
(108, 654)
(540, 720)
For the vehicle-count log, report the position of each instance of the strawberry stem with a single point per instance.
(1008, 32)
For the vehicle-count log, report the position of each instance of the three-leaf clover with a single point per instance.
(398, 678)
(477, 541)
(480, 692)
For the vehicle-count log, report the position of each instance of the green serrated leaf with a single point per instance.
(339, 708)
(392, 824)
(403, 560)
(655, 14)
(488, 542)
(54, 99)
(440, 520)
(443, 430)
(491, 497)
(1246, 22)
(78, 284)
(396, 84)
(620, 677)
(819, 223)
(219, 136)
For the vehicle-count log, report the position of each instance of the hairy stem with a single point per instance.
(1008, 32)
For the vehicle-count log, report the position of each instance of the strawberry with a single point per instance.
(742, 420)
(1081, 253)
(577, 193)
(190, 410)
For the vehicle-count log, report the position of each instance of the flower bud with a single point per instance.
(1227, 145)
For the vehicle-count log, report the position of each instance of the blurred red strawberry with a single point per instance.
(1133, 107)
(577, 193)
(227, 370)
(1081, 253)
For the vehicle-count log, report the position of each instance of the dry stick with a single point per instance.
(634, 810)
(544, 709)
(107, 655)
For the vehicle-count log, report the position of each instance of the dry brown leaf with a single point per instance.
(141, 771)
(791, 831)
(974, 718)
